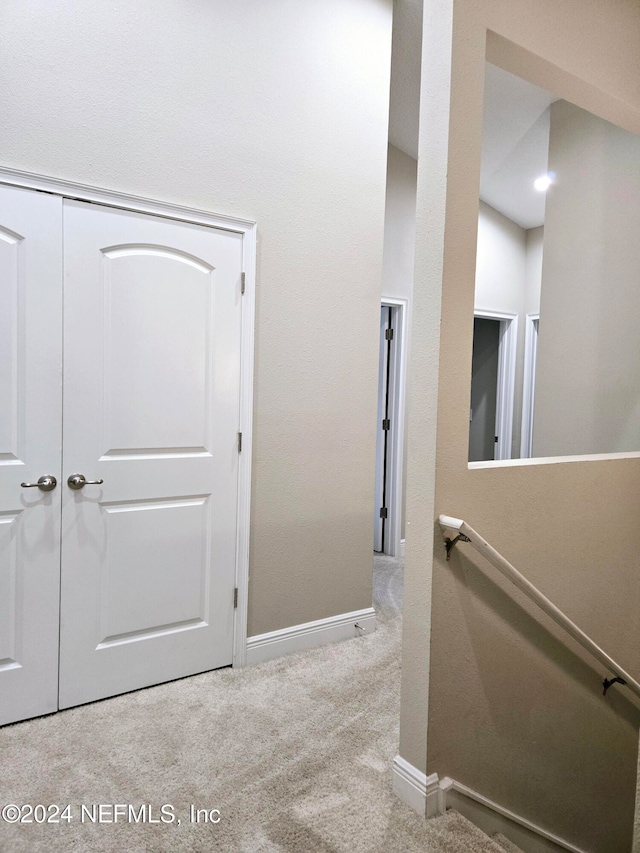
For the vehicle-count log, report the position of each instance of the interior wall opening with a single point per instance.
(387, 514)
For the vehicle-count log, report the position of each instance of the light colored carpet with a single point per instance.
(295, 753)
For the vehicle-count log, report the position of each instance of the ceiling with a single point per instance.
(515, 146)
(516, 123)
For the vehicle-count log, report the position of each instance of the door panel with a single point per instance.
(30, 442)
(10, 641)
(11, 287)
(156, 395)
(151, 407)
(170, 534)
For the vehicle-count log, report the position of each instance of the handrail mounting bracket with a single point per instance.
(606, 684)
(449, 543)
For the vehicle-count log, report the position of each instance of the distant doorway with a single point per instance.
(387, 517)
(492, 386)
(484, 390)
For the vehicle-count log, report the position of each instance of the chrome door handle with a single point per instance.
(45, 484)
(77, 481)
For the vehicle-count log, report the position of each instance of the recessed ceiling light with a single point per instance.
(543, 183)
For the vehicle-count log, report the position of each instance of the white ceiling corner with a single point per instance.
(515, 145)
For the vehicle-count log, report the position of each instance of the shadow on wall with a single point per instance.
(518, 652)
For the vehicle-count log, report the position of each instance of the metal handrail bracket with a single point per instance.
(466, 533)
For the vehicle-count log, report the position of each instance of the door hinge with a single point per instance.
(239, 442)
(386, 423)
(388, 334)
(235, 598)
(242, 282)
(383, 512)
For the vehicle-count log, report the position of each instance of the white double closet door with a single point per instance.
(120, 347)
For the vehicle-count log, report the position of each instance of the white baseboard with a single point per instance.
(422, 793)
(431, 796)
(298, 638)
(477, 808)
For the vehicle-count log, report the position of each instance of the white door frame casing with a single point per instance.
(507, 353)
(383, 447)
(397, 401)
(528, 385)
(248, 229)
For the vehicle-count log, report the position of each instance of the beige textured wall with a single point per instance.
(501, 262)
(588, 373)
(516, 710)
(501, 257)
(423, 384)
(399, 252)
(535, 247)
(399, 225)
(277, 112)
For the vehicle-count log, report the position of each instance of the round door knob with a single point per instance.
(78, 481)
(45, 484)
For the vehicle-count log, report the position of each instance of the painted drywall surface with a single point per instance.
(508, 279)
(399, 225)
(399, 253)
(423, 378)
(588, 374)
(533, 273)
(516, 711)
(276, 112)
(406, 51)
(501, 260)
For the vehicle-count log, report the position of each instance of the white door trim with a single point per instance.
(248, 228)
(383, 442)
(528, 385)
(397, 397)
(507, 351)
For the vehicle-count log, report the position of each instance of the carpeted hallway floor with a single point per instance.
(295, 754)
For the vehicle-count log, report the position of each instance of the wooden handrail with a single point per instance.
(468, 534)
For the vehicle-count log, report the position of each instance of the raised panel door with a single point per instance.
(151, 409)
(30, 442)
